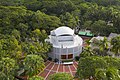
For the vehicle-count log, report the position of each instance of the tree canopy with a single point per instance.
(33, 64)
(97, 67)
(24, 24)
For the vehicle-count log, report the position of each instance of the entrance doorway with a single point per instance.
(69, 56)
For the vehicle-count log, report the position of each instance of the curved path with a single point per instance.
(52, 68)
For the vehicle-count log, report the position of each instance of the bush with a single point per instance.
(36, 78)
(33, 64)
(113, 62)
(60, 76)
(96, 66)
(77, 58)
(88, 65)
(56, 60)
(49, 58)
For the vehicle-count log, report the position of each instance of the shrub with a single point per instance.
(113, 62)
(56, 60)
(60, 76)
(36, 78)
(77, 58)
(87, 66)
(49, 58)
(102, 67)
(33, 64)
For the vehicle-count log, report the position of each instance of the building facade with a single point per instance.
(66, 45)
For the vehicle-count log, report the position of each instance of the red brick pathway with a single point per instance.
(52, 68)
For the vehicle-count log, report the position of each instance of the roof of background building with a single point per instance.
(98, 38)
(82, 33)
(85, 33)
(112, 35)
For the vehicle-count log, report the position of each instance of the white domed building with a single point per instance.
(66, 45)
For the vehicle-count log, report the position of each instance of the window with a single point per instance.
(70, 56)
(63, 56)
(64, 50)
(70, 50)
(64, 40)
(57, 50)
(75, 49)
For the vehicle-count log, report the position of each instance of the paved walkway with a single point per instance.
(52, 68)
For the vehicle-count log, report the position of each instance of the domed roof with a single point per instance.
(63, 31)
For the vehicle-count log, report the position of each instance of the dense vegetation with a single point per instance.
(99, 68)
(48, 14)
(36, 78)
(100, 61)
(24, 24)
(60, 76)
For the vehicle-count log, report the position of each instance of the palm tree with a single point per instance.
(87, 52)
(107, 74)
(33, 64)
(115, 42)
(103, 46)
(100, 74)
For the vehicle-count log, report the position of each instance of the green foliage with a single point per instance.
(10, 47)
(99, 68)
(56, 7)
(25, 21)
(42, 21)
(16, 34)
(37, 48)
(87, 51)
(68, 20)
(39, 35)
(87, 66)
(112, 74)
(100, 47)
(100, 74)
(36, 78)
(107, 74)
(24, 24)
(105, 2)
(103, 47)
(60, 76)
(112, 62)
(77, 58)
(33, 64)
(7, 67)
(115, 42)
(102, 27)
(87, 24)
(103, 44)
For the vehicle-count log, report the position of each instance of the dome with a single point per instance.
(63, 31)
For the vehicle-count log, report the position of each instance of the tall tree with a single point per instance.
(68, 20)
(107, 74)
(115, 42)
(86, 67)
(33, 64)
(96, 67)
(98, 27)
(103, 46)
(7, 67)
